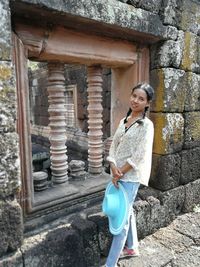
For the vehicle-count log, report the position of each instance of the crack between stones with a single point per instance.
(192, 238)
(23, 259)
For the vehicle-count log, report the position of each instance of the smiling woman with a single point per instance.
(130, 161)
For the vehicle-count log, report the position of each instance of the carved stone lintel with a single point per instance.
(57, 110)
(95, 144)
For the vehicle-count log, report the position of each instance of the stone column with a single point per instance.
(70, 115)
(57, 111)
(95, 144)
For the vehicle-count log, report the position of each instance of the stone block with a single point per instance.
(148, 191)
(105, 237)
(12, 260)
(191, 53)
(88, 233)
(9, 164)
(169, 85)
(11, 226)
(154, 212)
(168, 53)
(173, 240)
(190, 16)
(173, 202)
(192, 196)
(158, 214)
(171, 12)
(5, 34)
(169, 132)
(7, 97)
(172, 33)
(154, 254)
(112, 13)
(192, 99)
(166, 171)
(192, 129)
(152, 6)
(189, 258)
(188, 225)
(143, 215)
(58, 247)
(190, 170)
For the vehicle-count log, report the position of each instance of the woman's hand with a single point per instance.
(117, 174)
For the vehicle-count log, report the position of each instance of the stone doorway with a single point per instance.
(64, 46)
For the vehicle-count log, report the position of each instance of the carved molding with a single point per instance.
(65, 45)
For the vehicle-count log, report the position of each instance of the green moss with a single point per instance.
(5, 73)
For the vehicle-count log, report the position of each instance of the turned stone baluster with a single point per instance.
(57, 111)
(70, 115)
(95, 144)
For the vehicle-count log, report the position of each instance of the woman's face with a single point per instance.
(138, 100)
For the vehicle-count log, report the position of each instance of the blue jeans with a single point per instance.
(128, 235)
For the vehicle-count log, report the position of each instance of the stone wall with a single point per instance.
(11, 228)
(175, 75)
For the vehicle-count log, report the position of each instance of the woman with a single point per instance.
(130, 162)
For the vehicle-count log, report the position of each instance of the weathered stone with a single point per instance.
(191, 54)
(173, 240)
(12, 260)
(149, 248)
(162, 210)
(166, 171)
(151, 215)
(158, 215)
(152, 6)
(128, 262)
(169, 136)
(190, 170)
(60, 247)
(188, 225)
(171, 12)
(104, 235)
(5, 35)
(143, 215)
(173, 201)
(40, 180)
(169, 85)
(192, 99)
(191, 258)
(190, 16)
(192, 129)
(192, 195)
(7, 98)
(9, 164)
(173, 34)
(11, 226)
(148, 191)
(110, 12)
(77, 165)
(168, 54)
(88, 233)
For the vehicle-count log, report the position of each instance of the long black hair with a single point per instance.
(149, 92)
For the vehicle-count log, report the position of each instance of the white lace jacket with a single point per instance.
(134, 147)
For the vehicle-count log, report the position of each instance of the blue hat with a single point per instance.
(115, 206)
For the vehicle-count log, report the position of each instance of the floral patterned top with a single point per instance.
(134, 146)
